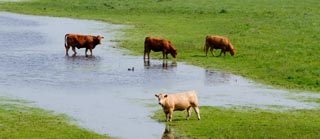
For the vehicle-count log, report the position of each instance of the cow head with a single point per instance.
(173, 51)
(231, 49)
(233, 52)
(98, 39)
(161, 98)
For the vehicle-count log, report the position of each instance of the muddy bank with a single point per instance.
(100, 92)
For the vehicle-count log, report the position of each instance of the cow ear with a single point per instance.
(165, 96)
(156, 95)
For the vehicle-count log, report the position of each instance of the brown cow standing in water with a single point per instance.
(157, 45)
(81, 41)
(180, 101)
(218, 42)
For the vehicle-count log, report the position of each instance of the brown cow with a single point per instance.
(157, 45)
(218, 42)
(180, 101)
(81, 41)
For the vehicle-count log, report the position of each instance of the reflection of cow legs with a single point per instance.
(74, 51)
(167, 134)
(146, 62)
(165, 63)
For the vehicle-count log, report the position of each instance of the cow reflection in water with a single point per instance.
(169, 134)
(164, 65)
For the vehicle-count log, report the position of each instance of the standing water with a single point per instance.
(103, 92)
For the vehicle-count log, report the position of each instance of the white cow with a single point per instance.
(180, 101)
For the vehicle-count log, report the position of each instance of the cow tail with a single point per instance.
(205, 44)
(65, 40)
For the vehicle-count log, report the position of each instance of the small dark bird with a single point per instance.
(131, 69)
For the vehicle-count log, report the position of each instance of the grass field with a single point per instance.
(244, 124)
(19, 121)
(277, 41)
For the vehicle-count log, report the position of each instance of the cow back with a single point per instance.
(154, 44)
(83, 41)
(182, 101)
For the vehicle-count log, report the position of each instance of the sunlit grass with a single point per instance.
(18, 121)
(246, 124)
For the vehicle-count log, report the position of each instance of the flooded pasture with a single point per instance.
(111, 93)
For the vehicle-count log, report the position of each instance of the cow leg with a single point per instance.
(211, 50)
(74, 51)
(67, 50)
(205, 49)
(86, 52)
(163, 55)
(221, 52)
(90, 51)
(196, 109)
(188, 113)
(144, 54)
(169, 115)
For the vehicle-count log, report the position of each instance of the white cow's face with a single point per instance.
(161, 98)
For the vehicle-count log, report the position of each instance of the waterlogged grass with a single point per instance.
(235, 123)
(277, 41)
(18, 121)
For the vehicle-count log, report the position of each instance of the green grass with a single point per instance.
(19, 121)
(246, 124)
(277, 41)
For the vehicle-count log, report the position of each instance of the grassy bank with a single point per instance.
(246, 124)
(276, 41)
(18, 121)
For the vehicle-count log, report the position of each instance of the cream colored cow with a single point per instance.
(180, 101)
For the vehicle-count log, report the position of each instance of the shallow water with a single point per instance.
(100, 91)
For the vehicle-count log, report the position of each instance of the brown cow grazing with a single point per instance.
(157, 45)
(180, 101)
(218, 42)
(81, 41)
